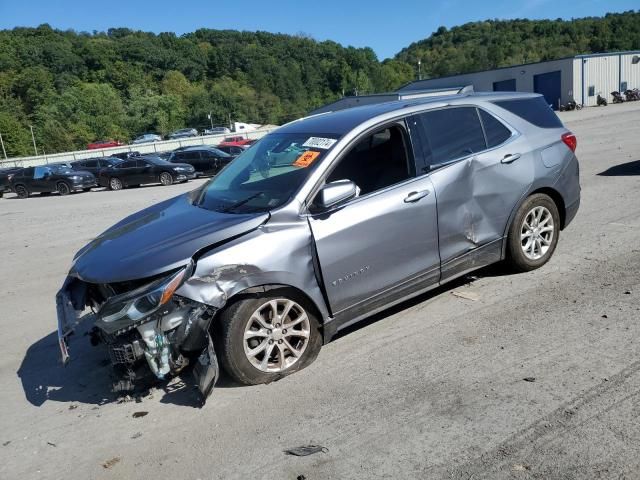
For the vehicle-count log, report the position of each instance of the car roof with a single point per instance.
(342, 121)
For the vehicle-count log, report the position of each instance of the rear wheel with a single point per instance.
(21, 191)
(115, 184)
(264, 338)
(166, 179)
(533, 235)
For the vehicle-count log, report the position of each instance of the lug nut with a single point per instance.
(284, 330)
(277, 325)
(270, 342)
(269, 331)
(280, 342)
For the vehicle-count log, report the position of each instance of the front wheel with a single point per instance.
(533, 235)
(115, 184)
(21, 191)
(63, 188)
(166, 179)
(261, 339)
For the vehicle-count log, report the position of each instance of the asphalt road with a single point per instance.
(431, 389)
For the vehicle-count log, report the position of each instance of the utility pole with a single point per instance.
(211, 119)
(419, 72)
(34, 139)
(3, 150)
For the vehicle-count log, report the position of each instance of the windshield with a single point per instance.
(265, 176)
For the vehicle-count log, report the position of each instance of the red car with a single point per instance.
(104, 144)
(236, 141)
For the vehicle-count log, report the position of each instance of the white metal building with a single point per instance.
(580, 78)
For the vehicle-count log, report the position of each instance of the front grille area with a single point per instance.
(122, 354)
(123, 349)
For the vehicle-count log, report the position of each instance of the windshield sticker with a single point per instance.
(306, 159)
(318, 142)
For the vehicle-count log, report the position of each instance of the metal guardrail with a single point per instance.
(143, 148)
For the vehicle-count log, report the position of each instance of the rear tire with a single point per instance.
(534, 233)
(279, 325)
(21, 191)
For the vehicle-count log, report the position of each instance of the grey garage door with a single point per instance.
(505, 85)
(548, 84)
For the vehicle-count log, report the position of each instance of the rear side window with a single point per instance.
(495, 131)
(127, 164)
(451, 133)
(533, 110)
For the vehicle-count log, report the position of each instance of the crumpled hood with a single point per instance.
(157, 239)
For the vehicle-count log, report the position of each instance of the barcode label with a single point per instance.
(319, 142)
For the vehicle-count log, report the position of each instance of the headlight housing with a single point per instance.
(125, 311)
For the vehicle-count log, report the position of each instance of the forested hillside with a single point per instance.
(78, 87)
(500, 43)
(75, 87)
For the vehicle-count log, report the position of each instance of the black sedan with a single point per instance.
(95, 165)
(47, 179)
(205, 160)
(5, 175)
(142, 170)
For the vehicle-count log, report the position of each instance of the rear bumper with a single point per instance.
(570, 212)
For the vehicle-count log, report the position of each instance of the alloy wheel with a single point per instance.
(63, 189)
(22, 191)
(115, 184)
(276, 335)
(536, 233)
(166, 179)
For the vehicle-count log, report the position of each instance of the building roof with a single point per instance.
(418, 84)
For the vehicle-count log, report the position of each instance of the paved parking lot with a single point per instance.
(431, 389)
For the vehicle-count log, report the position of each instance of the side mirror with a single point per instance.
(335, 192)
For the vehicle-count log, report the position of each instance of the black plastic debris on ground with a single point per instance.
(305, 450)
(529, 379)
(139, 414)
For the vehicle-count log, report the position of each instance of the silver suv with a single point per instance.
(320, 224)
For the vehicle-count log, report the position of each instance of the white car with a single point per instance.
(147, 138)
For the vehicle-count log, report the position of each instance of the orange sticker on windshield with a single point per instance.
(306, 159)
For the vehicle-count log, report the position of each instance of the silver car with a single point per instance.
(147, 138)
(322, 223)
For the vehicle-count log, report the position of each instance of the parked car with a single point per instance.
(183, 133)
(216, 131)
(205, 160)
(238, 140)
(95, 165)
(5, 175)
(104, 144)
(143, 170)
(51, 178)
(147, 138)
(263, 264)
(126, 155)
(233, 150)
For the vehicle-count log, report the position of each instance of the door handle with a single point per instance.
(415, 196)
(510, 157)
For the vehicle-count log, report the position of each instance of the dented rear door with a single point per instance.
(476, 185)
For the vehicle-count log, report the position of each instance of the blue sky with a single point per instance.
(383, 25)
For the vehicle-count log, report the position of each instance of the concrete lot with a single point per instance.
(431, 389)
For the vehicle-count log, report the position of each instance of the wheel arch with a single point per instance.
(552, 193)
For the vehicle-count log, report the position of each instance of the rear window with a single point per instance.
(533, 110)
(495, 131)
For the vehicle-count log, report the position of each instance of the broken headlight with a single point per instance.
(123, 312)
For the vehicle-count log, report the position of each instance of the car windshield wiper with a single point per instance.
(233, 206)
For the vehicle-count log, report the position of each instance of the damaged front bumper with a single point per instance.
(164, 342)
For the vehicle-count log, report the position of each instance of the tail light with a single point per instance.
(10, 176)
(570, 141)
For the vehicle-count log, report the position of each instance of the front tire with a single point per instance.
(533, 235)
(261, 339)
(115, 184)
(21, 191)
(63, 189)
(166, 179)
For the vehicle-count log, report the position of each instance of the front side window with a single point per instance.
(451, 133)
(41, 172)
(375, 162)
(267, 175)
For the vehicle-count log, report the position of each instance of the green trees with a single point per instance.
(75, 88)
